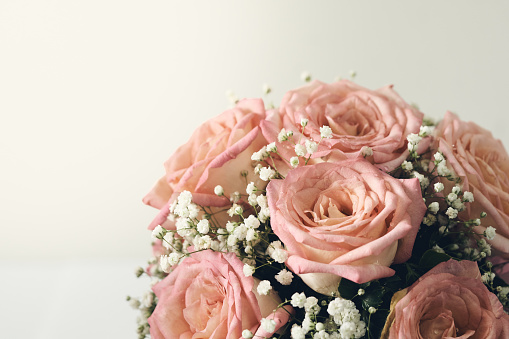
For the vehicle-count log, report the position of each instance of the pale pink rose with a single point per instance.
(450, 301)
(208, 296)
(217, 152)
(344, 220)
(358, 118)
(482, 163)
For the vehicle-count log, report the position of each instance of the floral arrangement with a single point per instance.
(342, 213)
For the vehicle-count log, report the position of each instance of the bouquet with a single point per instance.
(342, 213)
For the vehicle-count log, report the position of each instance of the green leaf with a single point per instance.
(431, 258)
(348, 289)
(373, 295)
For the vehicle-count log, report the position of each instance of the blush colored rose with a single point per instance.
(482, 163)
(344, 220)
(208, 296)
(358, 118)
(215, 154)
(450, 301)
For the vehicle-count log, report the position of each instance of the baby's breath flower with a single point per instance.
(139, 271)
(325, 132)
(304, 122)
(203, 226)
(262, 201)
(185, 198)
(311, 146)
(266, 89)
(164, 264)
(251, 199)
(158, 232)
(361, 291)
(193, 211)
(247, 334)
(458, 204)
(298, 332)
(468, 197)
(311, 305)
(372, 310)
(451, 197)
(279, 255)
(429, 219)
(438, 187)
(269, 325)
(456, 190)
(218, 190)
(264, 214)
(202, 242)
(424, 131)
(366, 151)
(173, 258)
(248, 270)
(451, 213)
(240, 232)
(284, 277)
(252, 222)
(490, 233)
(443, 170)
(235, 197)
(238, 209)
(305, 76)
(487, 277)
(135, 303)
(294, 162)
(434, 207)
(264, 287)
(407, 166)
(272, 147)
(298, 300)
(413, 138)
(251, 234)
(439, 157)
(300, 150)
(147, 299)
(251, 188)
(267, 173)
(282, 136)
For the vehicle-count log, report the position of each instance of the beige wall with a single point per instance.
(95, 95)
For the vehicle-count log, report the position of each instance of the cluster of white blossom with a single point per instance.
(145, 305)
(303, 148)
(194, 226)
(344, 319)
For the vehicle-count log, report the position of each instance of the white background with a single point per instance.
(95, 95)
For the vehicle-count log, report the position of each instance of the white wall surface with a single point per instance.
(95, 95)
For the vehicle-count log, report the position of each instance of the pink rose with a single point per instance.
(215, 154)
(450, 301)
(208, 296)
(344, 220)
(483, 165)
(358, 118)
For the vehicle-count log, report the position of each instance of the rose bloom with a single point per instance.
(344, 220)
(208, 296)
(450, 301)
(358, 118)
(483, 165)
(215, 154)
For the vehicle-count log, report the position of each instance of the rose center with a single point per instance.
(204, 300)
